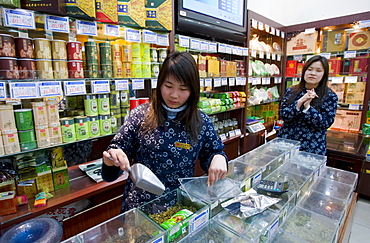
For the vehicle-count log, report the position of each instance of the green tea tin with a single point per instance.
(81, 127)
(93, 126)
(24, 119)
(68, 129)
(103, 104)
(105, 125)
(91, 52)
(91, 105)
(27, 139)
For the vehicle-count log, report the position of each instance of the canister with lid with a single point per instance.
(153, 55)
(115, 119)
(126, 53)
(126, 69)
(9, 68)
(44, 68)
(60, 69)
(68, 129)
(154, 66)
(24, 47)
(75, 68)
(93, 126)
(146, 70)
(24, 119)
(91, 52)
(162, 54)
(42, 136)
(105, 125)
(7, 120)
(7, 47)
(52, 111)
(74, 50)
(27, 139)
(81, 127)
(91, 105)
(59, 49)
(27, 68)
(105, 53)
(124, 97)
(116, 53)
(136, 70)
(103, 104)
(106, 70)
(42, 48)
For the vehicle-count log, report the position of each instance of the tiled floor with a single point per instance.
(361, 222)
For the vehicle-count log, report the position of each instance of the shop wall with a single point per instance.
(292, 12)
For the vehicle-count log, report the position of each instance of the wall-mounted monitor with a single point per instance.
(224, 19)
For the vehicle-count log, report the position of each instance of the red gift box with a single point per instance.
(335, 65)
(359, 65)
(291, 68)
(8, 203)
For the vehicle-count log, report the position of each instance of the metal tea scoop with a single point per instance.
(145, 179)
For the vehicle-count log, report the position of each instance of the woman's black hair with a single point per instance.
(322, 87)
(182, 67)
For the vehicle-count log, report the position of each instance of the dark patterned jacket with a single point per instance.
(159, 152)
(309, 128)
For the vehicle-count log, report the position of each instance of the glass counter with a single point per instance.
(131, 226)
(339, 175)
(73, 239)
(333, 188)
(267, 163)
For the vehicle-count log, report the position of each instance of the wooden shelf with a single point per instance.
(81, 187)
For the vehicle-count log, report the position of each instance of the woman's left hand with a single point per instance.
(217, 170)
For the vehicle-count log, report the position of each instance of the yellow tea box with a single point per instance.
(44, 182)
(84, 9)
(8, 204)
(7, 120)
(52, 111)
(40, 114)
(358, 87)
(355, 98)
(11, 141)
(60, 177)
(334, 40)
(158, 15)
(28, 189)
(359, 40)
(131, 13)
(42, 136)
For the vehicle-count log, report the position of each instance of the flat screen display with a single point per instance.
(231, 11)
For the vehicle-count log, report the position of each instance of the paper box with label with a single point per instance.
(47, 6)
(158, 15)
(303, 44)
(340, 97)
(131, 13)
(44, 182)
(7, 121)
(335, 66)
(334, 40)
(27, 188)
(358, 87)
(11, 3)
(84, 9)
(60, 177)
(359, 40)
(8, 204)
(107, 11)
(355, 98)
(359, 65)
(336, 87)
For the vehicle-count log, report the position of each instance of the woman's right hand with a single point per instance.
(116, 157)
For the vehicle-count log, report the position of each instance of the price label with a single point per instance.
(260, 26)
(244, 80)
(326, 55)
(216, 82)
(254, 23)
(19, 18)
(212, 47)
(74, 87)
(208, 82)
(250, 80)
(268, 55)
(253, 53)
(184, 41)
(201, 81)
(221, 48)
(277, 32)
(277, 80)
(228, 49)
(239, 51)
(272, 31)
(278, 57)
(223, 137)
(238, 81)
(121, 84)
(154, 82)
(50, 89)
(100, 86)
(265, 80)
(149, 37)
(204, 46)
(350, 79)
(57, 24)
(282, 34)
(354, 107)
(223, 81)
(238, 132)
(231, 81)
(298, 57)
(86, 28)
(232, 134)
(337, 80)
(349, 54)
(258, 81)
(138, 84)
(111, 30)
(163, 39)
(267, 28)
(195, 44)
(273, 56)
(2, 90)
(364, 23)
(24, 90)
(133, 35)
(234, 50)
(245, 52)
(309, 31)
(261, 54)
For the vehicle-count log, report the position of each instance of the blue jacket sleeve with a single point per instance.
(211, 144)
(288, 112)
(325, 118)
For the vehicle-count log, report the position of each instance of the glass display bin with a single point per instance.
(309, 160)
(255, 228)
(284, 237)
(285, 206)
(73, 239)
(131, 226)
(215, 233)
(325, 205)
(346, 177)
(164, 207)
(333, 188)
(283, 145)
(309, 226)
(298, 169)
(240, 172)
(267, 163)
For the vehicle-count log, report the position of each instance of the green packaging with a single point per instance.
(68, 129)
(24, 119)
(93, 126)
(125, 98)
(174, 220)
(27, 139)
(131, 16)
(91, 105)
(81, 127)
(105, 125)
(103, 104)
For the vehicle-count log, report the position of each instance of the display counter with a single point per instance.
(81, 187)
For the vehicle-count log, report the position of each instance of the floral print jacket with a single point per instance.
(167, 151)
(310, 127)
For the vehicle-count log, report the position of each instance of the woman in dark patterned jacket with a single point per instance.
(308, 109)
(167, 135)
